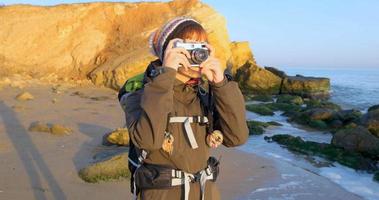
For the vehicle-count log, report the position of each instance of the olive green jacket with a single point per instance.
(146, 118)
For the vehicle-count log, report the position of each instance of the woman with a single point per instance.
(160, 116)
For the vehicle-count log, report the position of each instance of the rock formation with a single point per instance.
(240, 54)
(106, 42)
(309, 87)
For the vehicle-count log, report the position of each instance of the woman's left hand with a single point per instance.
(211, 67)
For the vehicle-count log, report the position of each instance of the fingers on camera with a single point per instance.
(184, 61)
(170, 44)
(182, 50)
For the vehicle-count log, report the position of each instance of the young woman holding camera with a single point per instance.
(177, 117)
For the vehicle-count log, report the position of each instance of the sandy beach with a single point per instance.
(37, 165)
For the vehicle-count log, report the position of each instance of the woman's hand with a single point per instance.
(176, 57)
(211, 67)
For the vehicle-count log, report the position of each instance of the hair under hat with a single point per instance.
(159, 39)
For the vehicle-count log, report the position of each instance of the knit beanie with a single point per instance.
(160, 38)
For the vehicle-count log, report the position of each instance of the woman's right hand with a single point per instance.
(176, 57)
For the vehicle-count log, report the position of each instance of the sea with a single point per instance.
(350, 88)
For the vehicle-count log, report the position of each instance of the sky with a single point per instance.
(297, 33)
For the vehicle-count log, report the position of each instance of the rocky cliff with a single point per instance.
(106, 42)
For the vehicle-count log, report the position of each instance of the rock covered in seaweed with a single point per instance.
(371, 120)
(114, 168)
(330, 152)
(357, 139)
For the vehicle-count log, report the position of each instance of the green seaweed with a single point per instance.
(261, 109)
(350, 159)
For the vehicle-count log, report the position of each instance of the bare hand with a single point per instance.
(176, 57)
(211, 67)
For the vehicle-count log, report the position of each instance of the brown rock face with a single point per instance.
(310, 87)
(107, 42)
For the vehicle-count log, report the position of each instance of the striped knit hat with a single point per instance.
(159, 39)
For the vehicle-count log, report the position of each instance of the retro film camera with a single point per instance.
(198, 51)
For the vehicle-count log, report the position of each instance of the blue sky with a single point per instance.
(298, 33)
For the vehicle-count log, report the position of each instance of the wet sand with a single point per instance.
(36, 165)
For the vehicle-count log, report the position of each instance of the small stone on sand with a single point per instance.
(54, 129)
(39, 127)
(24, 96)
(57, 129)
(119, 136)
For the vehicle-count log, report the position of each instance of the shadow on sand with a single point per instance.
(29, 155)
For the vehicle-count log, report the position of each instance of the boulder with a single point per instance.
(258, 127)
(324, 150)
(114, 168)
(291, 99)
(318, 124)
(309, 87)
(261, 109)
(24, 96)
(119, 136)
(315, 103)
(106, 42)
(347, 116)
(320, 114)
(58, 129)
(357, 139)
(240, 54)
(373, 108)
(39, 127)
(54, 129)
(371, 121)
(285, 107)
(253, 79)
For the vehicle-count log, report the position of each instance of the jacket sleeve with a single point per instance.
(146, 112)
(230, 106)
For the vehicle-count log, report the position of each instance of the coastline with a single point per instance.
(39, 165)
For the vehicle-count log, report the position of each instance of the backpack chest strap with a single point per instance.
(187, 126)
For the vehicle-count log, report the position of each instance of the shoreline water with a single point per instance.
(359, 183)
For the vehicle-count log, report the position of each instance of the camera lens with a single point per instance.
(199, 55)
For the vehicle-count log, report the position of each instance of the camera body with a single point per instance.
(198, 51)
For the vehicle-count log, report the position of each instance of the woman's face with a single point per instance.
(192, 72)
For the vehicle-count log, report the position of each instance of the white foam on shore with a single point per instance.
(360, 183)
(284, 186)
